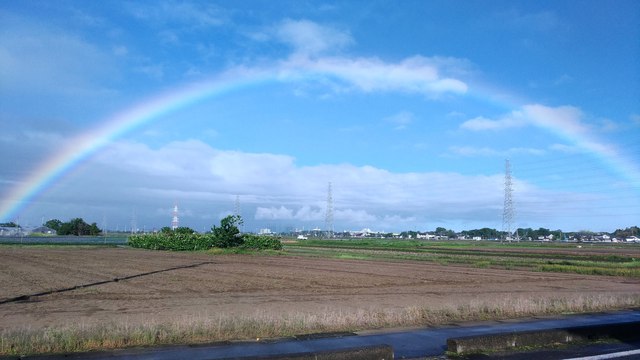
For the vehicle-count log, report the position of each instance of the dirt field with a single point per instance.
(183, 285)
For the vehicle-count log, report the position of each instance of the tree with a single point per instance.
(543, 232)
(450, 234)
(626, 233)
(184, 230)
(53, 224)
(78, 227)
(228, 234)
(94, 230)
(484, 233)
(9, 224)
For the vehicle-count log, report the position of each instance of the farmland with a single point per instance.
(85, 297)
(588, 258)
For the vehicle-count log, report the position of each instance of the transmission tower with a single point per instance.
(134, 222)
(508, 212)
(237, 212)
(104, 225)
(174, 220)
(328, 219)
(236, 207)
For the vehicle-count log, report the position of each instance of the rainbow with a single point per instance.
(84, 146)
(554, 120)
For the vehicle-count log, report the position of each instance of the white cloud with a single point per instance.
(313, 57)
(352, 216)
(470, 151)
(391, 221)
(278, 189)
(416, 74)
(564, 148)
(273, 213)
(563, 79)
(567, 119)
(473, 151)
(239, 167)
(401, 120)
(564, 118)
(308, 213)
(309, 38)
(635, 118)
(456, 114)
(186, 14)
(274, 190)
(481, 123)
(303, 213)
(524, 150)
(609, 125)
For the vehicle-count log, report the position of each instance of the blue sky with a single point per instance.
(409, 109)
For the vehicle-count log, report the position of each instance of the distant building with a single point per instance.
(9, 231)
(43, 230)
(425, 236)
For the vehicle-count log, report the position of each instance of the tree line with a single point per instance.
(76, 226)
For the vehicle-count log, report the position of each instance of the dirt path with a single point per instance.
(165, 286)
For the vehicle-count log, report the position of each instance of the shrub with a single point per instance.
(228, 234)
(172, 241)
(261, 242)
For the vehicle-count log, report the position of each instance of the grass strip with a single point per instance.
(208, 329)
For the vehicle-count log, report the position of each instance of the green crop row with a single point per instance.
(261, 242)
(195, 242)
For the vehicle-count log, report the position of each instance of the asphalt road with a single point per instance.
(407, 344)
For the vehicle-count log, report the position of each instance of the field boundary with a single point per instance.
(116, 279)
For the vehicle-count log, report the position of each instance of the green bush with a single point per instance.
(261, 242)
(227, 235)
(194, 242)
(173, 241)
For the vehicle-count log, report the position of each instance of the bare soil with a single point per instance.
(165, 286)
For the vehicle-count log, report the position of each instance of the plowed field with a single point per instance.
(163, 286)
